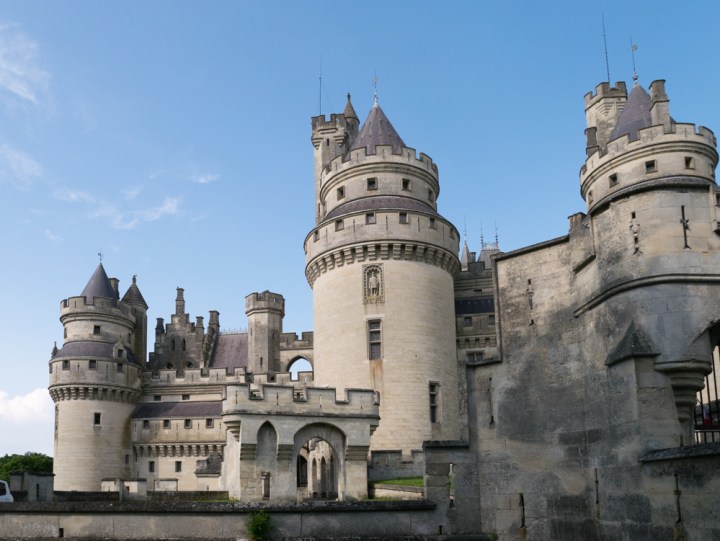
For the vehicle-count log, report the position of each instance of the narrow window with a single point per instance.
(406, 184)
(591, 199)
(717, 199)
(374, 339)
(403, 218)
(66, 365)
(316, 235)
(341, 192)
(467, 321)
(64, 333)
(339, 225)
(431, 196)
(183, 345)
(92, 364)
(432, 223)
(689, 162)
(434, 391)
(613, 180)
(208, 423)
(186, 397)
(372, 183)
(119, 367)
(166, 423)
(188, 423)
(491, 319)
(127, 459)
(151, 466)
(370, 218)
(146, 424)
(650, 166)
(178, 466)
(96, 419)
(96, 329)
(157, 398)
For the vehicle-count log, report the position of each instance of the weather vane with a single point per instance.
(633, 48)
(375, 82)
(100, 255)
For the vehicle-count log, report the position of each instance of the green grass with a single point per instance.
(406, 482)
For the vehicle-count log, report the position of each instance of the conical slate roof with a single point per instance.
(349, 111)
(133, 295)
(635, 116)
(465, 257)
(98, 286)
(377, 130)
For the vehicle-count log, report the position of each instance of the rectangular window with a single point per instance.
(434, 392)
(406, 184)
(146, 424)
(717, 199)
(339, 225)
(157, 398)
(119, 367)
(186, 397)
(92, 364)
(374, 339)
(316, 235)
(370, 218)
(178, 466)
(341, 192)
(475, 356)
(650, 166)
(403, 218)
(66, 365)
(127, 459)
(96, 419)
(613, 180)
(188, 423)
(372, 183)
(689, 162)
(431, 196)
(432, 223)
(491, 319)
(151, 466)
(166, 423)
(96, 329)
(467, 321)
(209, 423)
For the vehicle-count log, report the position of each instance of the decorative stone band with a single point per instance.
(357, 452)
(111, 394)
(248, 451)
(178, 450)
(285, 451)
(374, 251)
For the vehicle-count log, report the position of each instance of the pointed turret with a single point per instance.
(133, 295)
(465, 258)
(378, 130)
(635, 116)
(98, 286)
(349, 112)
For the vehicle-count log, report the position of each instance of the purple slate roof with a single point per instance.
(231, 351)
(379, 203)
(133, 295)
(98, 286)
(377, 130)
(91, 348)
(635, 115)
(148, 410)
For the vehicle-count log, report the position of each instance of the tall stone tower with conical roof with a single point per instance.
(95, 382)
(381, 260)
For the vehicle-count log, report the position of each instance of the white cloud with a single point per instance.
(169, 206)
(131, 193)
(20, 75)
(206, 178)
(36, 406)
(119, 219)
(18, 168)
(51, 236)
(73, 196)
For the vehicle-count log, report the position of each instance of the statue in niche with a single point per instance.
(635, 232)
(373, 283)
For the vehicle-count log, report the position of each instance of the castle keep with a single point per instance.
(550, 392)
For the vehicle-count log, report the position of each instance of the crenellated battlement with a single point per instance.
(167, 377)
(242, 399)
(265, 300)
(79, 304)
(321, 122)
(383, 155)
(604, 90)
(290, 340)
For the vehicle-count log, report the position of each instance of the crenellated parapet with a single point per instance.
(92, 392)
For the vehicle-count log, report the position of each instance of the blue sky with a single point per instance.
(175, 138)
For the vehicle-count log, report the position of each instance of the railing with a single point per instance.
(707, 407)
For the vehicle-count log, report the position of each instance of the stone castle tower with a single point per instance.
(381, 261)
(95, 382)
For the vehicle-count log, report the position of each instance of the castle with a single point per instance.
(554, 382)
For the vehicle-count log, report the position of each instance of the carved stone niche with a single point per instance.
(373, 284)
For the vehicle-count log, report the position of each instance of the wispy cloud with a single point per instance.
(73, 196)
(51, 236)
(131, 193)
(31, 407)
(119, 219)
(18, 168)
(20, 75)
(205, 178)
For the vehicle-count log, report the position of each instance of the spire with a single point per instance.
(133, 295)
(465, 257)
(349, 111)
(98, 286)
(635, 115)
(377, 130)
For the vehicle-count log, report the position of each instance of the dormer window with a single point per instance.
(372, 183)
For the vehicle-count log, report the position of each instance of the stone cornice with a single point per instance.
(94, 392)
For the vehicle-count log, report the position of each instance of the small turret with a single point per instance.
(265, 312)
(134, 298)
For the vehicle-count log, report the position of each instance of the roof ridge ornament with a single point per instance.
(633, 48)
(375, 83)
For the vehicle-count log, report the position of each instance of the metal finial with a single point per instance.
(482, 238)
(134, 278)
(100, 255)
(375, 82)
(607, 62)
(633, 48)
(497, 240)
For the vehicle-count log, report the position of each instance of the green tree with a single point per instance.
(35, 462)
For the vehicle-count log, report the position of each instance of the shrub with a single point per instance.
(258, 525)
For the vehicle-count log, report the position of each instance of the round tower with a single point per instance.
(381, 261)
(653, 210)
(95, 383)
